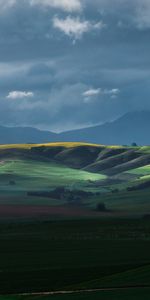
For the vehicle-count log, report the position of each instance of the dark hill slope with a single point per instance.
(140, 161)
(79, 157)
(109, 152)
(112, 161)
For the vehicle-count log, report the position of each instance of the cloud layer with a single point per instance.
(87, 60)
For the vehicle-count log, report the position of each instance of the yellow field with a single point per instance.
(57, 144)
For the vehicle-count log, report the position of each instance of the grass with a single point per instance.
(30, 174)
(57, 255)
(61, 144)
(132, 278)
(132, 202)
(37, 175)
(84, 253)
(144, 149)
(135, 294)
(142, 171)
(65, 145)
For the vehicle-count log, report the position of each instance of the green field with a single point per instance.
(133, 202)
(135, 294)
(30, 174)
(33, 175)
(64, 255)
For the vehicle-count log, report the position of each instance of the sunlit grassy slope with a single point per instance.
(41, 167)
(31, 174)
(142, 171)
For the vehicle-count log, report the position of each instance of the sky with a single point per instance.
(67, 64)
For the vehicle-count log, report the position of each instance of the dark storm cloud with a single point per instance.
(60, 49)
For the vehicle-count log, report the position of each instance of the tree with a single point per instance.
(134, 144)
(101, 207)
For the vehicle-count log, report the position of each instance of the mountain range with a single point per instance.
(130, 128)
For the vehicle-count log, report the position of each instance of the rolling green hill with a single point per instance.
(32, 174)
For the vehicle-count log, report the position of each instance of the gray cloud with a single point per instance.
(109, 63)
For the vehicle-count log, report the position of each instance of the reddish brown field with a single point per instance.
(19, 211)
(32, 211)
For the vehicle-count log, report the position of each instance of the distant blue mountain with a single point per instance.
(132, 127)
(17, 135)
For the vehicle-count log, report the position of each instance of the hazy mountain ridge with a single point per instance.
(131, 127)
(15, 135)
